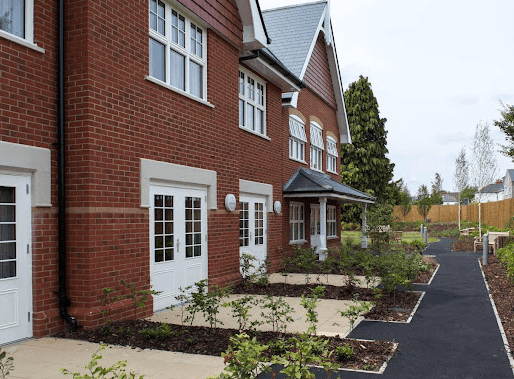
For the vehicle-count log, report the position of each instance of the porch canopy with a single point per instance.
(307, 183)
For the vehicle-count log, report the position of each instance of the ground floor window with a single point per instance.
(331, 221)
(297, 222)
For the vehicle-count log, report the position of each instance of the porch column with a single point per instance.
(323, 228)
(364, 239)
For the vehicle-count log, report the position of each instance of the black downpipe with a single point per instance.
(64, 302)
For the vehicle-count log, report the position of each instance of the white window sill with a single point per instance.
(315, 169)
(332, 172)
(255, 133)
(332, 237)
(179, 91)
(298, 160)
(21, 41)
(299, 242)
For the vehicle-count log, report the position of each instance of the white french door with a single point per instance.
(15, 260)
(178, 241)
(253, 236)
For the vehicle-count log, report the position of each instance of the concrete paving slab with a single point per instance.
(43, 359)
(330, 322)
(331, 279)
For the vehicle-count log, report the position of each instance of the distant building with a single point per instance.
(450, 198)
(508, 179)
(493, 192)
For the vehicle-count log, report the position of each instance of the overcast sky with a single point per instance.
(437, 68)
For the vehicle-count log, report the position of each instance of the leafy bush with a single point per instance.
(356, 309)
(344, 352)
(116, 371)
(379, 218)
(506, 257)
(279, 313)
(304, 259)
(309, 303)
(6, 364)
(207, 303)
(161, 332)
(241, 311)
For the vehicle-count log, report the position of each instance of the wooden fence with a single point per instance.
(493, 213)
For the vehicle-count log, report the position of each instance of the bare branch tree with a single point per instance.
(484, 166)
(461, 174)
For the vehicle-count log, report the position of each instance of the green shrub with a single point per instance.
(161, 332)
(506, 257)
(344, 352)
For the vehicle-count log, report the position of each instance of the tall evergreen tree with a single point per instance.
(364, 165)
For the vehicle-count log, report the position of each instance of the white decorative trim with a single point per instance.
(254, 36)
(179, 91)
(36, 160)
(153, 172)
(260, 189)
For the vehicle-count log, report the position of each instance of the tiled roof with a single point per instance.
(493, 188)
(309, 181)
(449, 198)
(292, 30)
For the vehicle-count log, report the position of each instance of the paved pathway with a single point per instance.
(454, 333)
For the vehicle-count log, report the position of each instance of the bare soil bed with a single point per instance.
(425, 277)
(502, 291)
(368, 355)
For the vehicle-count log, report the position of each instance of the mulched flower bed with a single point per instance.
(425, 277)
(382, 310)
(464, 243)
(502, 291)
(369, 355)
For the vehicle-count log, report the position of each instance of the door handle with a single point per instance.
(178, 244)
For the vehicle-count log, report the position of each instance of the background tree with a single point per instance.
(405, 202)
(506, 125)
(364, 165)
(461, 175)
(484, 166)
(469, 193)
(437, 189)
(424, 201)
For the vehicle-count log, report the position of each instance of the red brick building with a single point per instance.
(154, 141)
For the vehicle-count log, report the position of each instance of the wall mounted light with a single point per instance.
(277, 207)
(230, 202)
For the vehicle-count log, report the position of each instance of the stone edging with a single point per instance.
(401, 322)
(432, 278)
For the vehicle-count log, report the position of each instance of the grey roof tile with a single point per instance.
(292, 30)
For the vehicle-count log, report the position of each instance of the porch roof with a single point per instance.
(309, 183)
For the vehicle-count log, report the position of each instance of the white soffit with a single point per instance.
(254, 36)
(267, 71)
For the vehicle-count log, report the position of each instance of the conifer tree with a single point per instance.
(364, 165)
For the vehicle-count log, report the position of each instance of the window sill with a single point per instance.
(299, 242)
(183, 93)
(315, 169)
(255, 133)
(298, 160)
(332, 237)
(21, 41)
(332, 172)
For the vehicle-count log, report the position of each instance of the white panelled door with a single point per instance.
(178, 241)
(253, 236)
(15, 260)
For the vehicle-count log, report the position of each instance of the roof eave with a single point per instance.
(255, 35)
(333, 195)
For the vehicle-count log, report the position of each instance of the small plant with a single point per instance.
(344, 352)
(241, 311)
(138, 297)
(116, 371)
(310, 303)
(243, 358)
(182, 300)
(125, 332)
(355, 310)
(251, 274)
(161, 332)
(207, 303)
(6, 364)
(303, 350)
(107, 299)
(279, 313)
(506, 258)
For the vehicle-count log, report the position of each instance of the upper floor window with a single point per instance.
(16, 18)
(332, 155)
(177, 50)
(297, 139)
(252, 103)
(317, 146)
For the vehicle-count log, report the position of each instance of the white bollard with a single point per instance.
(421, 231)
(425, 236)
(485, 250)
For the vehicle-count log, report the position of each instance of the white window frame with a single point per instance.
(297, 139)
(296, 209)
(246, 100)
(28, 39)
(332, 155)
(331, 221)
(185, 51)
(317, 147)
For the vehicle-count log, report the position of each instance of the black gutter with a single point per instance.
(274, 61)
(64, 302)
